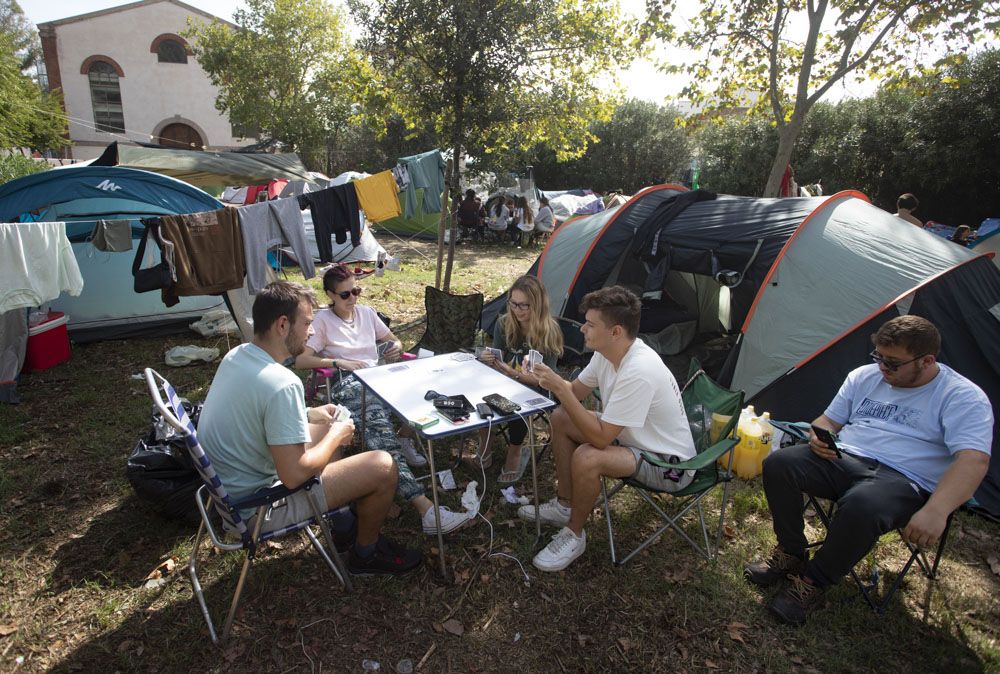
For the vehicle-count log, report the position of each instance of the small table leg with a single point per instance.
(437, 511)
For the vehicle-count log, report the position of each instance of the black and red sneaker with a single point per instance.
(388, 559)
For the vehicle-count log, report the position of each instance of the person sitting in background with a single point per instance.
(346, 336)
(905, 205)
(468, 214)
(961, 235)
(499, 216)
(914, 445)
(256, 429)
(544, 218)
(524, 221)
(527, 324)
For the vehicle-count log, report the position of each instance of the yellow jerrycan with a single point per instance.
(755, 444)
(719, 421)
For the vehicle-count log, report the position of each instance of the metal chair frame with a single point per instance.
(927, 567)
(686, 499)
(212, 494)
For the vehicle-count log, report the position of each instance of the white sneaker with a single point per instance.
(551, 512)
(449, 521)
(414, 458)
(561, 551)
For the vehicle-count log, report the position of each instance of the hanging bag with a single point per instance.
(151, 278)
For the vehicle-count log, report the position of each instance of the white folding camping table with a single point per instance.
(403, 386)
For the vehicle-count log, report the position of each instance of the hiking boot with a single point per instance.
(794, 603)
(773, 569)
(449, 521)
(413, 458)
(388, 559)
(550, 512)
(561, 551)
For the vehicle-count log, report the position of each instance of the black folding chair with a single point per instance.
(869, 588)
(452, 321)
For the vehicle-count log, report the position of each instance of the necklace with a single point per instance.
(348, 322)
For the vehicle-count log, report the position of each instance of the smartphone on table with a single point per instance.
(829, 438)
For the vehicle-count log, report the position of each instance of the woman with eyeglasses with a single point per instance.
(527, 324)
(346, 335)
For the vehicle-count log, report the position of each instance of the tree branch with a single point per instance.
(772, 89)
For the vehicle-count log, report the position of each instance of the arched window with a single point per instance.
(106, 97)
(171, 51)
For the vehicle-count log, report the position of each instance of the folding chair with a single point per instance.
(323, 377)
(868, 589)
(701, 397)
(213, 493)
(452, 321)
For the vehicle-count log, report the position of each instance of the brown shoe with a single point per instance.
(773, 569)
(794, 603)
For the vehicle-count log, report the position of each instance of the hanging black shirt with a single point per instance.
(334, 211)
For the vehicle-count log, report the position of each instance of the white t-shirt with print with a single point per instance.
(333, 337)
(913, 430)
(642, 396)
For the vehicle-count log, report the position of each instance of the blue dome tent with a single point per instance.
(108, 307)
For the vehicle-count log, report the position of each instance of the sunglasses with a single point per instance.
(356, 290)
(891, 365)
(519, 305)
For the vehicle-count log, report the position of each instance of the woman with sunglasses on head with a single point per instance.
(346, 335)
(527, 324)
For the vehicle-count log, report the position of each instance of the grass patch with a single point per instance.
(76, 546)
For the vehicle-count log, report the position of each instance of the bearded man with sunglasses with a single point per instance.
(915, 441)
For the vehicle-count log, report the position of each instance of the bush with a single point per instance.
(16, 165)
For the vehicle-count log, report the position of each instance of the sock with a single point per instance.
(342, 520)
(364, 551)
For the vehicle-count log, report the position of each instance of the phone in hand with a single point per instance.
(829, 438)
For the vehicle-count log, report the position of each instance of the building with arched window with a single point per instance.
(126, 73)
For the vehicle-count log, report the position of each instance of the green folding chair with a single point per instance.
(702, 398)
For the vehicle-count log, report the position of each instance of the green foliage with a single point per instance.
(288, 71)
(21, 32)
(936, 138)
(782, 57)
(28, 117)
(493, 77)
(16, 165)
(640, 145)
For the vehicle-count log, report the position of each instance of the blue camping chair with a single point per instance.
(213, 493)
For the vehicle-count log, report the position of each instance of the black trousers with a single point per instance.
(871, 498)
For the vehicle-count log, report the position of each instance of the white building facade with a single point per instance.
(127, 74)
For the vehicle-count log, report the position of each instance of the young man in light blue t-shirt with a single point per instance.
(257, 431)
(915, 441)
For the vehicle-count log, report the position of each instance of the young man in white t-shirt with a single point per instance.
(642, 411)
(914, 445)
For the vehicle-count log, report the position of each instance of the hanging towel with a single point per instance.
(208, 253)
(267, 225)
(334, 211)
(378, 196)
(112, 236)
(36, 264)
(426, 171)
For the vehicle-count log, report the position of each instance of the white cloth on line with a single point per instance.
(36, 264)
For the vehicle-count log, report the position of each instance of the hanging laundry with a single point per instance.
(334, 211)
(208, 253)
(378, 196)
(36, 264)
(402, 177)
(275, 187)
(270, 224)
(426, 171)
(112, 236)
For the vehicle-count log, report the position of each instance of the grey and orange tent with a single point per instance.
(797, 286)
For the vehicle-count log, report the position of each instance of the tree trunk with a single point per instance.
(454, 181)
(787, 135)
(445, 213)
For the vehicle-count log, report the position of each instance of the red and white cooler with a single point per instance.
(48, 343)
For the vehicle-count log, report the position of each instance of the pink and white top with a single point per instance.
(333, 337)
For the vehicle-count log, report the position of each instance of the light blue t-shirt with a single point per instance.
(914, 430)
(253, 402)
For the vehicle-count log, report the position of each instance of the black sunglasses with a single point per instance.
(891, 365)
(356, 290)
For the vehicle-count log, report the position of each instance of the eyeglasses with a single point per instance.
(891, 365)
(356, 290)
(520, 305)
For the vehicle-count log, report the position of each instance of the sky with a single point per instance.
(641, 80)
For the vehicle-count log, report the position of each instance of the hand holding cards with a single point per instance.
(533, 358)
